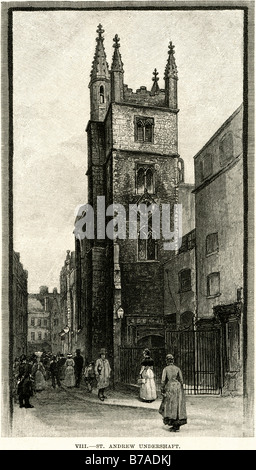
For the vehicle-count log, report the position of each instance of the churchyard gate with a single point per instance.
(197, 353)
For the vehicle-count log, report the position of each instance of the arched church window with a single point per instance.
(140, 181)
(149, 181)
(102, 94)
(145, 178)
(147, 248)
(151, 247)
(180, 170)
(148, 131)
(140, 133)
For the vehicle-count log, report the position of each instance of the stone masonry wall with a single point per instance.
(165, 129)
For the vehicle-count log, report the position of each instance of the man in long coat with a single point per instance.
(24, 387)
(79, 362)
(102, 373)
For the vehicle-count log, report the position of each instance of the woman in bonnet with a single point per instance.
(148, 386)
(173, 406)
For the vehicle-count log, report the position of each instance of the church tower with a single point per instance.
(100, 80)
(132, 159)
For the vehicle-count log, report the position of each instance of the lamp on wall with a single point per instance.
(120, 313)
(66, 329)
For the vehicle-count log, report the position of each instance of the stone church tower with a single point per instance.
(132, 159)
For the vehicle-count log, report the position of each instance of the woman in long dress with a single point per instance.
(148, 387)
(69, 379)
(173, 406)
(38, 373)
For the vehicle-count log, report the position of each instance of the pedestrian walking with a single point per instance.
(38, 373)
(79, 362)
(89, 376)
(146, 379)
(60, 367)
(173, 406)
(102, 373)
(69, 380)
(24, 384)
(46, 363)
(54, 372)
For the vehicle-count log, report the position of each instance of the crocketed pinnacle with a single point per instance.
(171, 68)
(117, 64)
(99, 65)
(155, 86)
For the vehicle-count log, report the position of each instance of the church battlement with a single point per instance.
(144, 97)
(107, 85)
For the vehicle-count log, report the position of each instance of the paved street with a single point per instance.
(75, 412)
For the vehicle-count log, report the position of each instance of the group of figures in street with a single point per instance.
(31, 376)
(173, 404)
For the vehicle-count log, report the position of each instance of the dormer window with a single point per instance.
(144, 129)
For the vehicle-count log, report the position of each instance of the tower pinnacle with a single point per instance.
(171, 79)
(171, 68)
(117, 64)
(117, 73)
(155, 86)
(99, 65)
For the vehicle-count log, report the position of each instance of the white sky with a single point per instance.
(53, 53)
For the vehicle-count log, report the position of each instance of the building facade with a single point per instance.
(20, 307)
(72, 331)
(43, 321)
(132, 159)
(220, 242)
(180, 269)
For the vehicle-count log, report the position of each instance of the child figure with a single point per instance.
(89, 376)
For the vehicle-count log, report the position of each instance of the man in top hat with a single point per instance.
(79, 362)
(102, 373)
